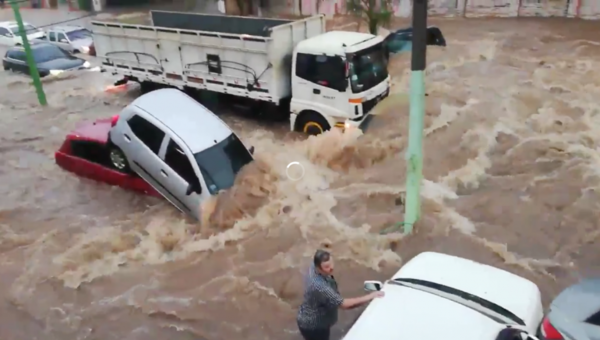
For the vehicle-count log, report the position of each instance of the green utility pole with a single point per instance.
(30, 61)
(414, 155)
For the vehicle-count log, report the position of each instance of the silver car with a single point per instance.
(75, 39)
(178, 146)
(574, 314)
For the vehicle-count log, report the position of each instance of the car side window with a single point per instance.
(52, 36)
(4, 32)
(320, 69)
(594, 319)
(61, 36)
(147, 132)
(180, 163)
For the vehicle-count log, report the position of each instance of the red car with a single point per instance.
(85, 153)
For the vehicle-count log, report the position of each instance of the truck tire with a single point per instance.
(118, 160)
(312, 123)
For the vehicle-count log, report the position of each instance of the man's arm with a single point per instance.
(334, 299)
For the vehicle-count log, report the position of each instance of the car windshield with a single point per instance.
(368, 68)
(495, 312)
(79, 34)
(221, 162)
(29, 29)
(47, 53)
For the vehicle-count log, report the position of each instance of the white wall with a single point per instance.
(587, 9)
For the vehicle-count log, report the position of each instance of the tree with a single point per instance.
(375, 13)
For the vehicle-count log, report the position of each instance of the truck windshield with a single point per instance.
(79, 34)
(221, 162)
(368, 68)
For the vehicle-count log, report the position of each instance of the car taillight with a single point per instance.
(549, 332)
(113, 120)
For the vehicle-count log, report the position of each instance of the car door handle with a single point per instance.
(126, 137)
(316, 91)
(163, 173)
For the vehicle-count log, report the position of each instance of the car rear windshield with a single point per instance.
(463, 295)
(49, 52)
(221, 162)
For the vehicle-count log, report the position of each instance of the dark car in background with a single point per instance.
(49, 59)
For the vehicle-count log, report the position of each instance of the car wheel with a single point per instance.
(118, 160)
(312, 123)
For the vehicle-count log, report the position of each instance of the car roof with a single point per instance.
(196, 125)
(35, 44)
(514, 293)
(67, 28)
(579, 301)
(12, 24)
(406, 313)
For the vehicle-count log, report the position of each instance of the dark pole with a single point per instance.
(414, 156)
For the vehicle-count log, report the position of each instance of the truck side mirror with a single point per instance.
(63, 40)
(251, 150)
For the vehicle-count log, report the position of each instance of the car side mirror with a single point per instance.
(251, 150)
(372, 286)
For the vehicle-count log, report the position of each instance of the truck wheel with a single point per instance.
(118, 160)
(312, 123)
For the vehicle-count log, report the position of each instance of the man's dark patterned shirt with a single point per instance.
(321, 301)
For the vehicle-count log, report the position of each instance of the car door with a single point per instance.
(141, 141)
(178, 174)
(63, 41)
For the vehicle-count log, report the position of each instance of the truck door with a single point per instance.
(323, 83)
(63, 42)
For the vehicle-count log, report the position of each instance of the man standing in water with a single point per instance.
(319, 311)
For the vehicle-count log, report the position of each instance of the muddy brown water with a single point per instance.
(511, 180)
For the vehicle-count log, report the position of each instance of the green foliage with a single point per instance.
(374, 13)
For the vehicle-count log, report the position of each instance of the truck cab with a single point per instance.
(337, 78)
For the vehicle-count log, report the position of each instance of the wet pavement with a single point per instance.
(511, 179)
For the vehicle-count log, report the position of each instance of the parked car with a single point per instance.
(574, 314)
(49, 59)
(437, 296)
(177, 145)
(85, 152)
(75, 39)
(9, 33)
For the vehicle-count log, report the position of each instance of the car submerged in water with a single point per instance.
(49, 60)
(163, 144)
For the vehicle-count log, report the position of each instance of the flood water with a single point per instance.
(511, 179)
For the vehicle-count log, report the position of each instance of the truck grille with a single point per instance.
(370, 104)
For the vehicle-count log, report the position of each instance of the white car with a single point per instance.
(436, 296)
(178, 146)
(9, 33)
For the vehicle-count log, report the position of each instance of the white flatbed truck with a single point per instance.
(293, 67)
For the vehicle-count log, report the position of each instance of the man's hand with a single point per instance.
(376, 294)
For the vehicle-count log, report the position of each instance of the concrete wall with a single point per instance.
(587, 9)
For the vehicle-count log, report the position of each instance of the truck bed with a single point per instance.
(247, 57)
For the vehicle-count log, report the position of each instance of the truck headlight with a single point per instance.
(56, 72)
(85, 49)
(86, 64)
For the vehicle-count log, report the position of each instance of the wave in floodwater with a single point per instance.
(511, 179)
